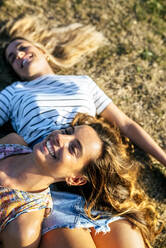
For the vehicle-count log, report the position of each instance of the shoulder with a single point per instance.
(117, 236)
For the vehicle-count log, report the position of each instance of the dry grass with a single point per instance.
(132, 68)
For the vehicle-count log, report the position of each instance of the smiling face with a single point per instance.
(64, 154)
(27, 61)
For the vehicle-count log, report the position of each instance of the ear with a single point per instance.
(76, 180)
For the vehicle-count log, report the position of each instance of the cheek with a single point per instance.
(17, 70)
(67, 163)
(67, 157)
(15, 67)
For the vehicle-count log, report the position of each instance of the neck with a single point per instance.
(25, 176)
(39, 74)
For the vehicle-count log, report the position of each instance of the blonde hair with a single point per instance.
(113, 182)
(64, 46)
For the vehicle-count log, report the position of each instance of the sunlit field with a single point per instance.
(131, 68)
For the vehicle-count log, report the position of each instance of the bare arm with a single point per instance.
(24, 231)
(135, 132)
(122, 235)
(13, 138)
(67, 238)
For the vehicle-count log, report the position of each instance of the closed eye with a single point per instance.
(75, 148)
(22, 48)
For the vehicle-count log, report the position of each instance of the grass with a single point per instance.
(132, 68)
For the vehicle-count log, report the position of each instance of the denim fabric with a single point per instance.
(68, 211)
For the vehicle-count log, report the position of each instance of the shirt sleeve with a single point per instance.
(101, 100)
(5, 103)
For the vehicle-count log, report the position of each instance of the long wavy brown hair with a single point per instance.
(112, 182)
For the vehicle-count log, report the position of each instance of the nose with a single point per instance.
(63, 139)
(20, 54)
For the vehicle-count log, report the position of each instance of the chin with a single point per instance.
(37, 150)
(38, 154)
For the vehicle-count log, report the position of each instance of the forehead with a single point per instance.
(92, 144)
(85, 130)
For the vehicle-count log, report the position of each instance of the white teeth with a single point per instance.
(24, 61)
(50, 149)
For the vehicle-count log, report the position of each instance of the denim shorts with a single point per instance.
(68, 212)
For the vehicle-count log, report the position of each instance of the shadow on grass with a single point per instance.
(152, 179)
(1, 3)
(154, 183)
(6, 75)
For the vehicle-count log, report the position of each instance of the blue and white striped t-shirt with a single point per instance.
(50, 102)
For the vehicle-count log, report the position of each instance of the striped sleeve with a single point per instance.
(101, 100)
(5, 103)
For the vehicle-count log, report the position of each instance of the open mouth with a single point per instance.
(50, 149)
(26, 60)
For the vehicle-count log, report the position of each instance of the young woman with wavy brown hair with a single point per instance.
(109, 195)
